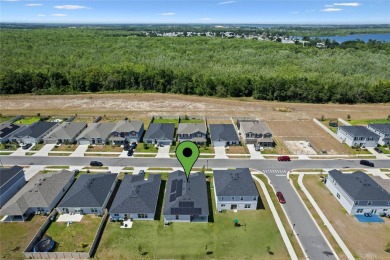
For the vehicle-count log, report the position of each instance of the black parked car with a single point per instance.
(26, 146)
(366, 163)
(96, 163)
(133, 145)
(130, 152)
(378, 150)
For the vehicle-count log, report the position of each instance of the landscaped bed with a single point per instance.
(151, 239)
(75, 237)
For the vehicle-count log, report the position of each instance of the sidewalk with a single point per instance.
(324, 219)
(44, 150)
(80, 150)
(254, 154)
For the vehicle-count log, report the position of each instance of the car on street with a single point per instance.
(26, 146)
(280, 197)
(376, 149)
(96, 163)
(284, 158)
(366, 163)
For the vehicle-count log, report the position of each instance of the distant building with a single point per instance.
(96, 133)
(65, 133)
(358, 193)
(255, 132)
(223, 135)
(33, 133)
(357, 136)
(12, 179)
(195, 132)
(160, 134)
(186, 201)
(127, 131)
(383, 130)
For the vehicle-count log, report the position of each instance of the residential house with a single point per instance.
(40, 195)
(357, 136)
(8, 129)
(223, 135)
(358, 193)
(96, 133)
(12, 179)
(186, 201)
(33, 133)
(89, 194)
(127, 131)
(235, 189)
(136, 198)
(65, 133)
(195, 132)
(255, 132)
(383, 130)
(160, 134)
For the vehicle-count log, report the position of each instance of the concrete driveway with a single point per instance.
(377, 155)
(21, 152)
(80, 150)
(45, 150)
(254, 154)
(220, 152)
(163, 152)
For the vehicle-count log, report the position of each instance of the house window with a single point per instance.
(232, 198)
(247, 206)
(223, 205)
(142, 215)
(242, 198)
(93, 210)
(356, 202)
(384, 209)
(359, 211)
(177, 216)
(338, 195)
(254, 198)
(369, 203)
(116, 215)
(221, 198)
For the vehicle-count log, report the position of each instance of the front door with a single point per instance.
(233, 206)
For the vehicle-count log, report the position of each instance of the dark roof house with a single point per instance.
(34, 132)
(159, 133)
(237, 182)
(12, 180)
(7, 129)
(358, 131)
(223, 133)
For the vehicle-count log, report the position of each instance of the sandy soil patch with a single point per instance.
(299, 147)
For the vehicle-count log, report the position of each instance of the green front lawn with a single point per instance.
(369, 121)
(148, 148)
(75, 237)
(166, 120)
(384, 149)
(153, 240)
(65, 147)
(9, 146)
(37, 147)
(28, 120)
(356, 151)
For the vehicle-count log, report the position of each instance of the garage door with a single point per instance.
(164, 142)
(84, 142)
(219, 144)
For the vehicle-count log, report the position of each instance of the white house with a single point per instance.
(358, 193)
(357, 136)
(383, 130)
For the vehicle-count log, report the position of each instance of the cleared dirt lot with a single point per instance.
(365, 240)
(139, 105)
(306, 130)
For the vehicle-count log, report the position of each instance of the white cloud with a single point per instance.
(70, 7)
(206, 19)
(10, 0)
(41, 15)
(168, 14)
(331, 10)
(33, 5)
(59, 15)
(226, 2)
(347, 4)
(328, 5)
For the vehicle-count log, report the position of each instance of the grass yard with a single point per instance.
(191, 121)
(77, 237)
(15, 236)
(85, 119)
(37, 147)
(356, 151)
(166, 120)
(105, 148)
(151, 239)
(237, 149)
(5, 118)
(65, 147)
(326, 123)
(28, 120)
(9, 146)
(385, 150)
(365, 240)
(148, 148)
(101, 155)
(369, 121)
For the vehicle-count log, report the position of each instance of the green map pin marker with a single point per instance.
(187, 153)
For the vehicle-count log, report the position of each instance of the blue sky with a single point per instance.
(204, 11)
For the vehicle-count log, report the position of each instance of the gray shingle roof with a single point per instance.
(160, 131)
(7, 128)
(67, 130)
(359, 131)
(7, 174)
(360, 186)
(97, 130)
(237, 182)
(382, 128)
(125, 126)
(136, 195)
(40, 191)
(35, 130)
(90, 190)
(223, 132)
(191, 128)
(194, 191)
(254, 126)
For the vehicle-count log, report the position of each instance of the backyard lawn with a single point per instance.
(191, 121)
(151, 239)
(15, 236)
(166, 120)
(5, 118)
(77, 236)
(28, 120)
(369, 121)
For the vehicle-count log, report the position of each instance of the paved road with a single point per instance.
(313, 242)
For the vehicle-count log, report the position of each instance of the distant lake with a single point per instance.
(364, 37)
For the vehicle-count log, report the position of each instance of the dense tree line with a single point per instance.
(62, 60)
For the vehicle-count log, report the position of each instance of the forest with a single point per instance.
(74, 60)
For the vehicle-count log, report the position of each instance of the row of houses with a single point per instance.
(136, 198)
(252, 132)
(369, 136)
